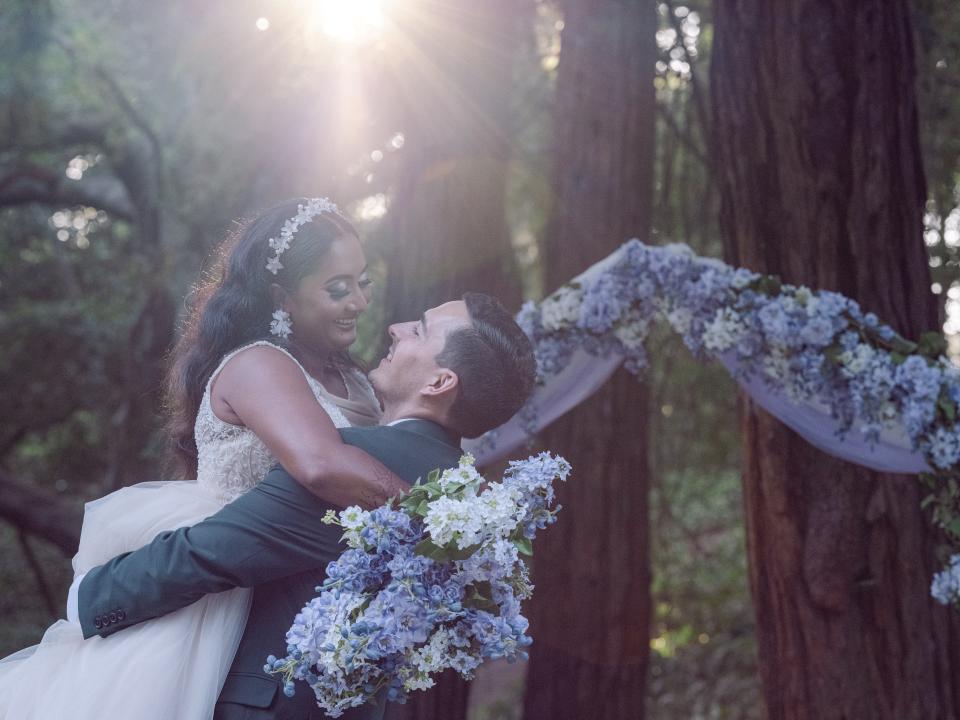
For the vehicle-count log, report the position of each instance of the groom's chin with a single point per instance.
(373, 376)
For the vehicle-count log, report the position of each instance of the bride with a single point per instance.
(261, 375)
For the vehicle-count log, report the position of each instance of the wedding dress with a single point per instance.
(173, 666)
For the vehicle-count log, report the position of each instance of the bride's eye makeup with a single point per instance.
(339, 289)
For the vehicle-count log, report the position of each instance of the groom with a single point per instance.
(464, 368)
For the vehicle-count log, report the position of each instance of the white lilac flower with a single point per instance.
(724, 331)
(946, 583)
(680, 319)
(561, 309)
(450, 520)
(632, 330)
(464, 474)
(857, 360)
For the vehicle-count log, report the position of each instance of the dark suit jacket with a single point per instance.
(271, 539)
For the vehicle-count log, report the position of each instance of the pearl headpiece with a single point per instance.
(305, 213)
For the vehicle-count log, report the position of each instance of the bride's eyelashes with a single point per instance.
(340, 290)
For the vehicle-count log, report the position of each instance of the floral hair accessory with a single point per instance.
(305, 213)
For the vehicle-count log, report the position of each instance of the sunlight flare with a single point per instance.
(349, 21)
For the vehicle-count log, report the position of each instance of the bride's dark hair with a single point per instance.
(232, 306)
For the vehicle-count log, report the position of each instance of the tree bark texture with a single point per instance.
(446, 231)
(818, 162)
(590, 614)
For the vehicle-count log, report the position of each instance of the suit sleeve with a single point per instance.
(270, 532)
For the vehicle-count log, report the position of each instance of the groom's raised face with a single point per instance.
(410, 367)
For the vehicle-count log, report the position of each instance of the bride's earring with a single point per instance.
(282, 324)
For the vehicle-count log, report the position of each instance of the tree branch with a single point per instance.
(27, 183)
(42, 514)
(38, 575)
(683, 135)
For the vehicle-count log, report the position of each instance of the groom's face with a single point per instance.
(410, 364)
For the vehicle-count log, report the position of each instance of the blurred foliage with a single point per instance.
(181, 116)
(937, 25)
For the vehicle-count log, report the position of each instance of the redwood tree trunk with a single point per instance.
(818, 164)
(446, 231)
(590, 614)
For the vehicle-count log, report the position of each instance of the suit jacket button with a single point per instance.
(113, 617)
(121, 615)
(97, 623)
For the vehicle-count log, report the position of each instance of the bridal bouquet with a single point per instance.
(429, 582)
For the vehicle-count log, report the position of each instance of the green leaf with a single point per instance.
(953, 527)
(833, 353)
(422, 508)
(524, 545)
(898, 358)
(947, 406)
(433, 475)
(456, 553)
(430, 549)
(932, 344)
(480, 597)
(768, 285)
(412, 501)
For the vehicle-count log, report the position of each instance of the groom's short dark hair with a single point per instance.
(495, 365)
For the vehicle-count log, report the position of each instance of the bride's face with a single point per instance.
(325, 307)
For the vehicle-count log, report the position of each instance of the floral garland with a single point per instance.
(815, 346)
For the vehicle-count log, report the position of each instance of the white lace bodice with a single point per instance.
(231, 458)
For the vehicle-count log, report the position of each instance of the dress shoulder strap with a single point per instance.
(233, 353)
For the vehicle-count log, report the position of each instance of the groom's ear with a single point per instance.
(443, 383)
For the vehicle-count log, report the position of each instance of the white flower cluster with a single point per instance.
(724, 332)
(473, 517)
(305, 213)
(946, 584)
(562, 308)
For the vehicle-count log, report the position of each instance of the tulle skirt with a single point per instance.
(170, 667)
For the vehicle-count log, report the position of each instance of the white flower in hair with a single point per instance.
(305, 213)
(274, 265)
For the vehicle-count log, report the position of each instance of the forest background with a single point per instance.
(505, 145)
